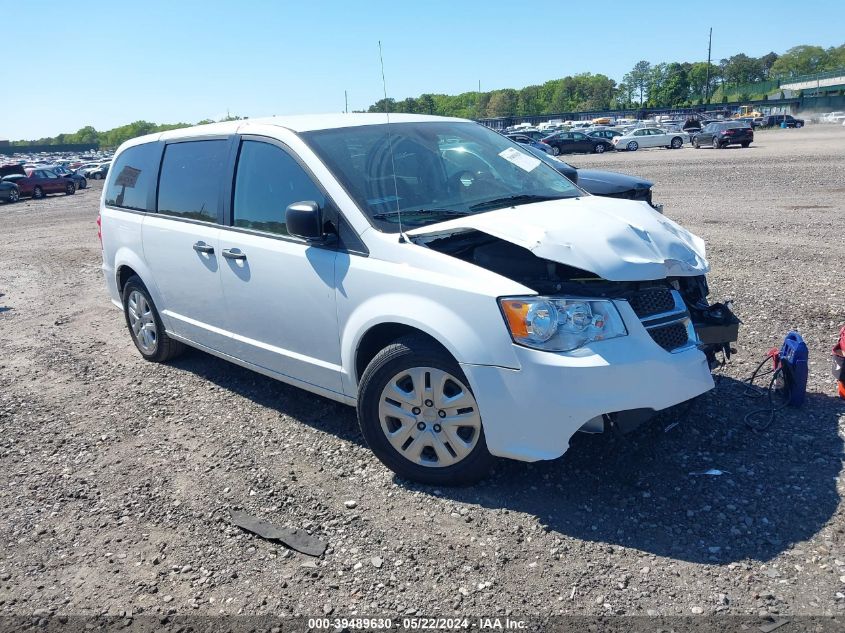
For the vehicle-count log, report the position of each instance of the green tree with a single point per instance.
(801, 60)
(639, 78)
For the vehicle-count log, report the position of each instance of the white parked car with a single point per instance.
(632, 140)
(467, 298)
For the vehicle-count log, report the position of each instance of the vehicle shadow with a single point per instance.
(317, 411)
(645, 490)
(778, 487)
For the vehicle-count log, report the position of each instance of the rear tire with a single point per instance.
(37, 192)
(633, 146)
(415, 441)
(797, 125)
(695, 143)
(145, 326)
(677, 143)
(83, 184)
(555, 151)
(14, 196)
(746, 144)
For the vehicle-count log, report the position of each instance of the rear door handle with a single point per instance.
(233, 253)
(202, 247)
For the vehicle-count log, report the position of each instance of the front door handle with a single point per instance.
(202, 247)
(233, 253)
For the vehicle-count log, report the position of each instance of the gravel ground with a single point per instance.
(116, 474)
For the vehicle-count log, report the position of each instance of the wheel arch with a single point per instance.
(375, 323)
(128, 264)
(380, 336)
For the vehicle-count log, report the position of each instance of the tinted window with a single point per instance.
(191, 174)
(134, 174)
(268, 180)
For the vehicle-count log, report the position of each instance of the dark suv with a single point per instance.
(724, 133)
(774, 120)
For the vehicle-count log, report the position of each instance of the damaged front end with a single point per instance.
(674, 311)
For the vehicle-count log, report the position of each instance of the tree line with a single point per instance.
(675, 84)
(88, 135)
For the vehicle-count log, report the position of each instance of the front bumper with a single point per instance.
(531, 413)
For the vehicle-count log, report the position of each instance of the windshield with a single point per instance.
(442, 170)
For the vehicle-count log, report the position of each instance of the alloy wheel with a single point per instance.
(142, 322)
(429, 417)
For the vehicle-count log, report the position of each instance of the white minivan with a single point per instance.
(467, 298)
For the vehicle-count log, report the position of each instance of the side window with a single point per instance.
(132, 176)
(640, 133)
(191, 174)
(578, 136)
(267, 180)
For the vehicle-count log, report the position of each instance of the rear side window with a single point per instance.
(268, 180)
(191, 175)
(132, 176)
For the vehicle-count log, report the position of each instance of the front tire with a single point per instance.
(746, 144)
(98, 176)
(37, 192)
(145, 326)
(696, 144)
(797, 125)
(600, 148)
(14, 196)
(419, 416)
(70, 189)
(83, 184)
(555, 151)
(633, 146)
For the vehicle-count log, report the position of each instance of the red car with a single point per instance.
(39, 182)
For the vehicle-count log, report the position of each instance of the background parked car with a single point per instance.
(610, 184)
(78, 179)
(99, 172)
(723, 134)
(650, 137)
(577, 142)
(9, 191)
(37, 183)
(523, 139)
(605, 134)
(775, 120)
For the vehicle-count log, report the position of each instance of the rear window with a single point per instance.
(132, 178)
(191, 175)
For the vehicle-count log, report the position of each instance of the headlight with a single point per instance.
(560, 324)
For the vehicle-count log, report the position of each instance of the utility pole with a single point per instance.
(346, 102)
(707, 84)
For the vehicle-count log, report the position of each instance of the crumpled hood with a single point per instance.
(618, 240)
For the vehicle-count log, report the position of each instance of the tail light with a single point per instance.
(544, 141)
(100, 230)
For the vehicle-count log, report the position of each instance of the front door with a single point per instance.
(181, 241)
(279, 290)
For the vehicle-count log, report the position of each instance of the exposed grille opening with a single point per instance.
(652, 301)
(671, 336)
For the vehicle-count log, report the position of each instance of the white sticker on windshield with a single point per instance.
(520, 159)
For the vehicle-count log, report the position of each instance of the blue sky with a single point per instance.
(183, 60)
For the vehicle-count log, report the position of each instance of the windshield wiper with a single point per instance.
(420, 212)
(514, 200)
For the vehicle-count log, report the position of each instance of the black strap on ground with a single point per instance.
(294, 538)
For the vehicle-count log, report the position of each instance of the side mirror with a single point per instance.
(305, 219)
